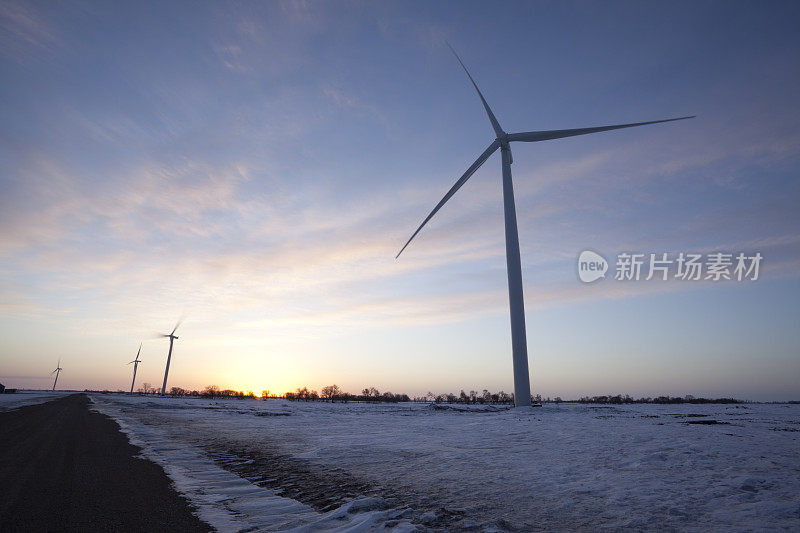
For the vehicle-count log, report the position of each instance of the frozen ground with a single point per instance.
(28, 397)
(361, 466)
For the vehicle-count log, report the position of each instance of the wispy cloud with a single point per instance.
(25, 32)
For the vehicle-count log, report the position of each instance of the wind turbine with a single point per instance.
(136, 365)
(522, 391)
(57, 371)
(172, 338)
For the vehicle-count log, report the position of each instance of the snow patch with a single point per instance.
(29, 397)
(230, 503)
(558, 467)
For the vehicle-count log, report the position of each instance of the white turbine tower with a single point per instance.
(57, 372)
(522, 391)
(172, 338)
(135, 363)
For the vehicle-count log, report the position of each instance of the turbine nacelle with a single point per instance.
(170, 335)
(505, 146)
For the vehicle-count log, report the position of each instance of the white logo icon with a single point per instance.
(591, 266)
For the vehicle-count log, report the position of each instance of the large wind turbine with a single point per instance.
(522, 391)
(136, 365)
(172, 338)
(57, 372)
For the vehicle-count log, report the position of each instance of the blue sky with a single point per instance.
(256, 167)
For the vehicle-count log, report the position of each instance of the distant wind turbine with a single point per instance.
(57, 372)
(172, 338)
(522, 391)
(135, 366)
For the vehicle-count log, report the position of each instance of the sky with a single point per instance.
(255, 167)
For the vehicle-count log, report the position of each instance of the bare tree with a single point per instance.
(211, 391)
(331, 392)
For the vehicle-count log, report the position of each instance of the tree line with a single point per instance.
(333, 393)
(211, 391)
(620, 399)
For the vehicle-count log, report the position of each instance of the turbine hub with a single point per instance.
(505, 146)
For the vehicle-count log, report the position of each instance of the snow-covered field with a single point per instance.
(273, 465)
(28, 397)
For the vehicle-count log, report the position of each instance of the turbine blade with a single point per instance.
(495, 125)
(140, 350)
(461, 181)
(535, 136)
(180, 321)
